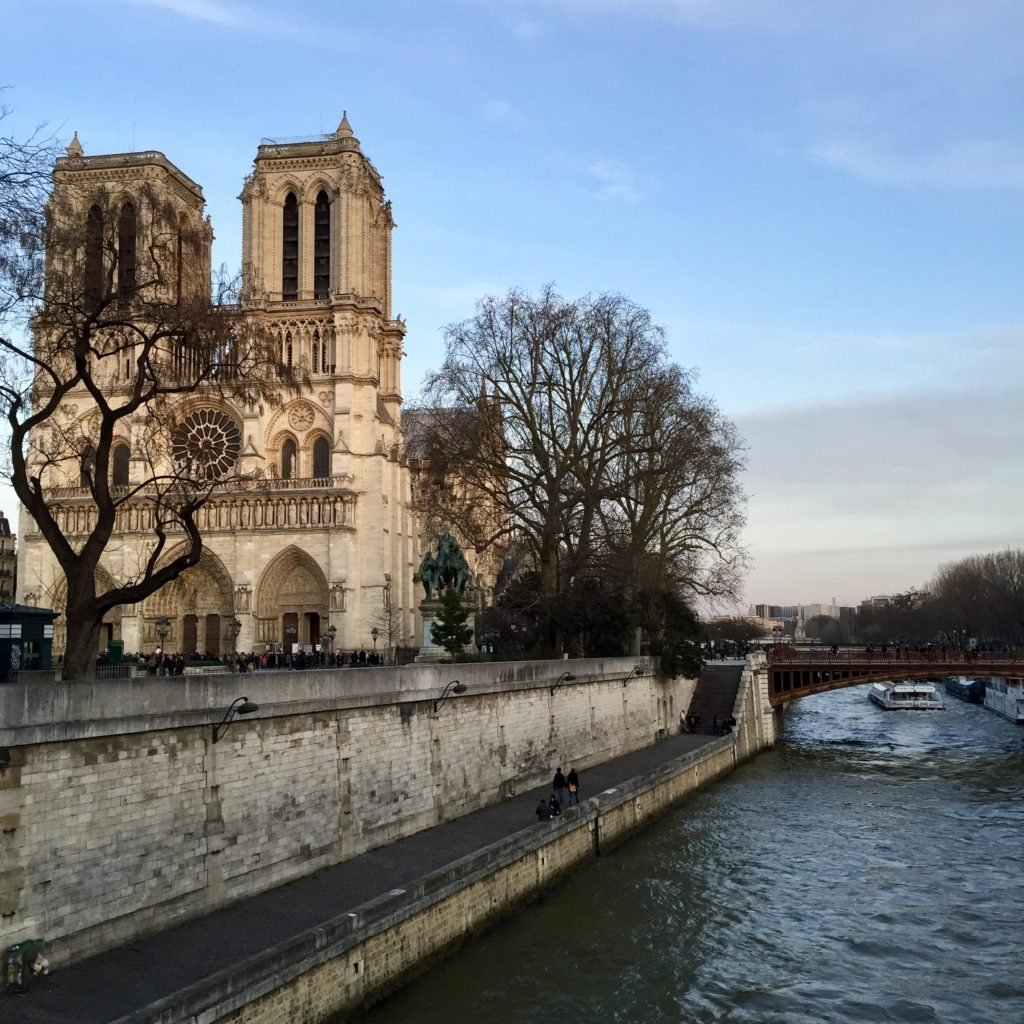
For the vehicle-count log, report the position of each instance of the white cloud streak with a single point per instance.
(615, 181)
(970, 164)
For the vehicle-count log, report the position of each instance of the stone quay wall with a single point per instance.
(119, 815)
(356, 959)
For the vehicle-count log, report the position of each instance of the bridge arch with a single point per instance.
(792, 675)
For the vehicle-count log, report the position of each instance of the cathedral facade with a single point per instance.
(317, 544)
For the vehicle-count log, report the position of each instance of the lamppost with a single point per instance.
(332, 632)
(374, 633)
(163, 627)
(239, 706)
(234, 628)
(453, 687)
(565, 677)
(290, 631)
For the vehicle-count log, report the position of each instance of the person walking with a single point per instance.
(554, 806)
(559, 785)
(574, 787)
(543, 810)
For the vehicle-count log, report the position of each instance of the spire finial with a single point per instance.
(344, 129)
(74, 149)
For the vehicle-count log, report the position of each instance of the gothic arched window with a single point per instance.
(126, 253)
(288, 453)
(316, 351)
(290, 249)
(122, 453)
(94, 254)
(288, 349)
(321, 458)
(322, 246)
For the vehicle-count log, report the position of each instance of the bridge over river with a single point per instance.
(793, 674)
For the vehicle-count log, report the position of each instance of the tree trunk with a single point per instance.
(82, 641)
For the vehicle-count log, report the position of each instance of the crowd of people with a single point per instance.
(163, 663)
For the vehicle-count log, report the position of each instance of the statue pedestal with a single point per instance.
(430, 609)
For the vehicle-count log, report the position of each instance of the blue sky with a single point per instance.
(821, 200)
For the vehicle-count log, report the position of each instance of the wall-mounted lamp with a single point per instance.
(453, 687)
(636, 670)
(565, 677)
(239, 706)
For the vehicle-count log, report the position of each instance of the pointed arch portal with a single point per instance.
(292, 600)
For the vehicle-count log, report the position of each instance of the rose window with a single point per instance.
(207, 444)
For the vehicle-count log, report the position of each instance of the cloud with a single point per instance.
(615, 181)
(217, 12)
(969, 164)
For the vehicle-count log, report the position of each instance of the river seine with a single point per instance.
(869, 868)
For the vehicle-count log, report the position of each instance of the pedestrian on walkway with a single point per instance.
(574, 787)
(554, 806)
(716, 725)
(543, 810)
(559, 785)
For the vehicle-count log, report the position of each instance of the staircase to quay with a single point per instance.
(715, 694)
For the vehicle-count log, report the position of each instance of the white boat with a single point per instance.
(907, 695)
(1005, 696)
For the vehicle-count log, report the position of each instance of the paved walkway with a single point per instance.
(131, 977)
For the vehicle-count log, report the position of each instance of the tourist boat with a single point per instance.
(905, 696)
(1005, 696)
(970, 690)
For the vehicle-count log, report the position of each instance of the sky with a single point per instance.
(822, 201)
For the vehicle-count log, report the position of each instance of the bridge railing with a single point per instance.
(973, 659)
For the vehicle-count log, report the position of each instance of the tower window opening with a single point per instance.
(316, 351)
(290, 249)
(288, 350)
(94, 254)
(126, 253)
(288, 455)
(122, 454)
(322, 246)
(321, 458)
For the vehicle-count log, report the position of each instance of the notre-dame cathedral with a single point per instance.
(327, 543)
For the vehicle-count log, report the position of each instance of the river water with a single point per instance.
(869, 868)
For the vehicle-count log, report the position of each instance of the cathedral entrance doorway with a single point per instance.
(313, 628)
(291, 600)
(189, 610)
(189, 634)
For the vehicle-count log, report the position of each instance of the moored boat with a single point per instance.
(1005, 696)
(906, 695)
(970, 690)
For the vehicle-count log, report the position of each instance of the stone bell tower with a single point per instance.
(316, 243)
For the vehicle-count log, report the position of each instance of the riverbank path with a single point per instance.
(127, 979)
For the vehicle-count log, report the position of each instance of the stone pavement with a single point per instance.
(126, 979)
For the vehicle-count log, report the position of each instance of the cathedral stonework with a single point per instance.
(319, 538)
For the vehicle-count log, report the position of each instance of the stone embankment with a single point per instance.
(340, 940)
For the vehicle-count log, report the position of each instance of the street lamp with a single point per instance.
(234, 628)
(565, 677)
(636, 670)
(239, 706)
(374, 633)
(163, 627)
(453, 687)
(290, 630)
(332, 632)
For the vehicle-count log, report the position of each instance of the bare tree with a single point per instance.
(107, 351)
(581, 443)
